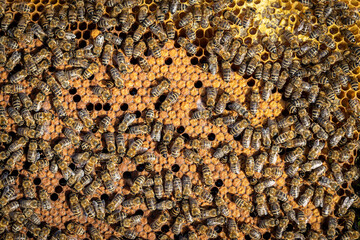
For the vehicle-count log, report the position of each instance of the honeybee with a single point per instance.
(162, 218)
(192, 156)
(239, 109)
(21, 7)
(242, 68)
(150, 198)
(351, 174)
(221, 104)
(163, 150)
(352, 234)
(137, 185)
(198, 144)
(305, 198)
(75, 228)
(17, 144)
(94, 233)
(227, 120)
(108, 181)
(177, 188)
(139, 129)
(201, 114)
(154, 47)
(207, 175)
(187, 45)
(115, 203)
(261, 186)
(209, 213)
(177, 146)
(128, 119)
(92, 69)
(44, 199)
(327, 206)
(252, 65)
(349, 219)
(160, 88)
(260, 161)
(131, 221)
(243, 204)
(168, 183)
(170, 30)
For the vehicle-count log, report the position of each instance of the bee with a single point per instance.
(336, 169)
(246, 139)
(211, 94)
(327, 205)
(115, 203)
(3, 118)
(232, 17)
(108, 181)
(232, 228)
(154, 47)
(44, 200)
(144, 64)
(134, 147)
(201, 114)
(165, 205)
(137, 185)
(240, 55)
(162, 218)
(6, 21)
(352, 234)
(207, 175)
(158, 186)
(261, 186)
(75, 228)
(21, 7)
(93, 186)
(256, 139)
(168, 185)
(290, 38)
(192, 156)
(131, 221)
(170, 30)
(142, 13)
(156, 132)
(260, 161)
(160, 88)
(139, 49)
(319, 197)
(94, 233)
(92, 69)
(18, 76)
(268, 223)
(254, 50)
(150, 198)
(177, 146)
(139, 129)
(247, 229)
(116, 217)
(243, 204)
(349, 219)
(200, 144)
(187, 45)
(177, 226)
(239, 109)
(163, 150)
(209, 213)
(75, 206)
(305, 198)
(332, 224)
(177, 185)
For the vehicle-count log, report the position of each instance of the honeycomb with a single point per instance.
(188, 79)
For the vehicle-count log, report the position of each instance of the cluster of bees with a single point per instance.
(310, 73)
